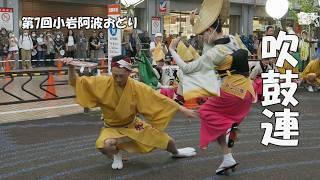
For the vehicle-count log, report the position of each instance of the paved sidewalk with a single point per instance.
(38, 110)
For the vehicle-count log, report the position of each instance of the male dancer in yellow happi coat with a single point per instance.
(311, 75)
(121, 99)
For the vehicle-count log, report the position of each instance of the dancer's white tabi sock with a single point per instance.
(117, 161)
(185, 152)
(228, 157)
(228, 161)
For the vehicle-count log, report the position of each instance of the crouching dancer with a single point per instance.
(121, 99)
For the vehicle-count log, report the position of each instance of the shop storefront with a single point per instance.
(178, 23)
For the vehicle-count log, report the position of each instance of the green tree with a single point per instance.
(307, 6)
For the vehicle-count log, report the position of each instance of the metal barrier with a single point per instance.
(42, 85)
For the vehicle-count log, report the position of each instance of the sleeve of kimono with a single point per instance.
(209, 60)
(180, 75)
(156, 73)
(89, 90)
(157, 109)
(306, 71)
(255, 71)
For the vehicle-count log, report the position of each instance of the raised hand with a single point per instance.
(193, 16)
(189, 112)
(174, 43)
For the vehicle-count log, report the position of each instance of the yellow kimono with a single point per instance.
(120, 108)
(288, 66)
(312, 68)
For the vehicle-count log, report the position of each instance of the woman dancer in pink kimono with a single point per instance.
(220, 115)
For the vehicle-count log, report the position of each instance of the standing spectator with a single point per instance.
(157, 44)
(269, 32)
(94, 46)
(4, 44)
(126, 46)
(13, 53)
(50, 49)
(145, 42)
(82, 46)
(251, 44)
(71, 44)
(134, 43)
(34, 48)
(26, 46)
(256, 44)
(304, 49)
(102, 44)
(58, 46)
(41, 50)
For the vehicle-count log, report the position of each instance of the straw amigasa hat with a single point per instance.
(209, 12)
(157, 54)
(194, 52)
(184, 52)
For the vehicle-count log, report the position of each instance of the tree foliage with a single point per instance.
(297, 6)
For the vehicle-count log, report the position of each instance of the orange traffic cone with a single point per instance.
(102, 65)
(51, 90)
(7, 68)
(59, 66)
(191, 104)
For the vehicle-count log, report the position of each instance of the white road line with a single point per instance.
(38, 109)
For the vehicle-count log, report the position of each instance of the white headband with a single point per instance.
(124, 64)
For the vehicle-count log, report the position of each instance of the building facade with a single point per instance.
(246, 16)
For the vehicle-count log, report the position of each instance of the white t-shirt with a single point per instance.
(70, 41)
(13, 46)
(25, 42)
(41, 42)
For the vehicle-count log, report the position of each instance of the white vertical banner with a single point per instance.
(114, 35)
(6, 18)
(156, 26)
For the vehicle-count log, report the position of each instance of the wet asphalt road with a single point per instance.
(64, 148)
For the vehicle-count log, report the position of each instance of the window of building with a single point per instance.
(179, 22)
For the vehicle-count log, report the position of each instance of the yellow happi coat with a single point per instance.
(288, 66)
(313, 68)
(120, 108)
